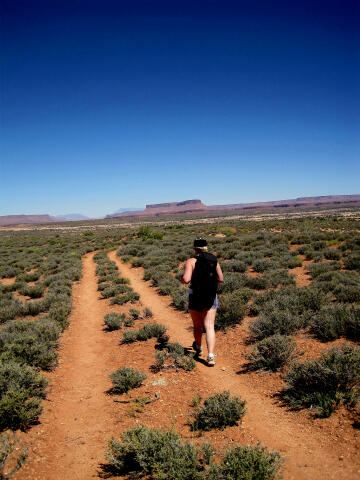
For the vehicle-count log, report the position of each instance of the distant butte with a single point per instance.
(196, 206)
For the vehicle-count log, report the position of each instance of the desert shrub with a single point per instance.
(344, 285)
(219, 411)
(172, 355)
(114, 321)
(231, 311)
(256, 283)
(334, 321)
(167, 285)
(34, 308)
(324, 383)
(247, 463)
(9, 308)
(180, 298)
(11, 462)
(352, 324)
(302, 249)
(134, 313)
(309, 253)
(59, 312)
(113, 290)
(318, 257)
(30, 342)
(272, 353)
(129, 336)
(147, 312)
(334, 241)
(175, 348)
(152, 330)
(275, 322)
(262, 265)
(278, 277)
(352, 262)
(317, 269)
(131, 297)
(319, 245)
(291, 261)
(145, 232)
(332, 254)
(232, 282)
(234, 266)
(159, 454)
(245, 257)
(347, 293)
(9, 288)
(168, 360)
(295, 304)
(9, 272)
(137, 262)
(309, 299)
(125, 379)
(155, 273)
(21, 390)
(129, 322)
(121, 281)
(103, 285)
(132, 250)
(35, 291)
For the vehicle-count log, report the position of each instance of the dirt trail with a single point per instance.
(312, 448)
(78, 417)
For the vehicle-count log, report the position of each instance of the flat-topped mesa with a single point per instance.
(193, 203)
(197, 207)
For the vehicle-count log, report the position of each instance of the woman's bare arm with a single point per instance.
(219, 273)
(189, 268)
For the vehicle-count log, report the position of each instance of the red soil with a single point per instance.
(250, 273)
(7, 281)
(302, 275)
(79, 417)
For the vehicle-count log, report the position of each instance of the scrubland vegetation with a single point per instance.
(259, 281)
(160, 454)
(286, 278)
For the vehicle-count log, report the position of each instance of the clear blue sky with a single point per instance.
(115, 104)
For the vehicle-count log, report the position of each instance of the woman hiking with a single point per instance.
(204, 273)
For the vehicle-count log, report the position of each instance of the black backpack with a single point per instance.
(204, 280)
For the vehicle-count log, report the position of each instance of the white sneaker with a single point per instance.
(211, 360)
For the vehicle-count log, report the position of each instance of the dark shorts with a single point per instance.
(195, 305)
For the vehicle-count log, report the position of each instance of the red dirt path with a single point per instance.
(78, 417)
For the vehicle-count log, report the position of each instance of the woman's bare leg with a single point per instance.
(197, 318)
(209, 322)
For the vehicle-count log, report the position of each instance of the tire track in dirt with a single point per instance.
(309, 452)
(78, 416)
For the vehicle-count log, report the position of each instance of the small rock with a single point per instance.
(341, 457)
(223, 369)
(160, 381)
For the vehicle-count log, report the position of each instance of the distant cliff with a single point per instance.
(196, 206)
(186, 206)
